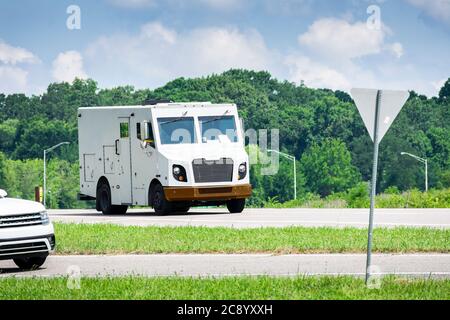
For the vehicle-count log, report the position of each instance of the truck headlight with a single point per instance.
(242, 170)
(44, 217)
(179, 173)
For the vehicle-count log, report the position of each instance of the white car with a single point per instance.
(26, 233)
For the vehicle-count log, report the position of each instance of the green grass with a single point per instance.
(358, 197)
(114, 239)
(223, 288)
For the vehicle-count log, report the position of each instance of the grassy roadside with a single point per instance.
(358, 197)
(241, 288)
(114, 239)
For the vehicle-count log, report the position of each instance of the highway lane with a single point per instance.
(408, 265)
(255, 218)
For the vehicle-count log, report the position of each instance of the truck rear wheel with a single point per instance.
(104, 202)
(30, 263)
(159, 201)
(182, 209)
(236, 205)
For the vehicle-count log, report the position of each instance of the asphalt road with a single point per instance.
(412, 265)
(255, 218)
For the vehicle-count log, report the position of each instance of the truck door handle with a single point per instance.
(116, 146)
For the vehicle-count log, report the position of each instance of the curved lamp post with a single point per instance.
(292, 158)
(45, 164)
(423, 160)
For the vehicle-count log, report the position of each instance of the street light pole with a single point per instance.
(45, 165)
(424, 161)
(292, 158)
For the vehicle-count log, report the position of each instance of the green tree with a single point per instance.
(444, 93)
(39, 134)
(327, 167)
(8, 134)
(306, 118)
(2, 171)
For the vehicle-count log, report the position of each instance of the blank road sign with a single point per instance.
(390, 104)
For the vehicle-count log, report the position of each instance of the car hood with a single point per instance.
(10, 206)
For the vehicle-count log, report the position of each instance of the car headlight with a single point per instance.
(242, 170)
(179, 173)
(44, 217)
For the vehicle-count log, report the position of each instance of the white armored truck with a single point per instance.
(170, 156)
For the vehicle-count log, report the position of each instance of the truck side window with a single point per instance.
(124, 130)
(138, 131)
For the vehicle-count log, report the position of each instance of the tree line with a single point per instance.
(321, 127)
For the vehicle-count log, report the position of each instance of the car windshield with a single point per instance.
(179, 130)
(212, 127)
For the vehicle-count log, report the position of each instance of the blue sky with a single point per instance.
(146, 43)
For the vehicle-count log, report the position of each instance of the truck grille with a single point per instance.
(213, 170)
(21, 220)
(23, 248)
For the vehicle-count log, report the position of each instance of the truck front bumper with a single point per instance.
(208, 193)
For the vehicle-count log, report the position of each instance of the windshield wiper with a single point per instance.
(172, 121)
(213, 120)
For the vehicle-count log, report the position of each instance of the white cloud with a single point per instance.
(316, 75)
(158, 54)
(437, 85)
(387, 75)
(13, 75)
(158, 32)
(397, 49)
(437, 9)
(13, 79)
(13, 55)
(67, 66)
(134, 4)
(336, 47)
(340, 40)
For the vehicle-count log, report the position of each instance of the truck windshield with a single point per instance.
(177, 130)
(214, 126)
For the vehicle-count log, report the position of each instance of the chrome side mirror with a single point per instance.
(147, 134)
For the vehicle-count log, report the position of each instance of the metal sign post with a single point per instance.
(373, 189)
(386, 104)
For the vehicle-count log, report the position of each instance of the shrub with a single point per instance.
(358, 196)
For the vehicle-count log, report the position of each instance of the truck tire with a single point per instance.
(159, 201)
(236, 205)
(182, 209)
(30, 263)
(104, 202)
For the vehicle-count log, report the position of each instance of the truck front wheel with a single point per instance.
(30, 263)
(159, 201)
(104, 202)
(236, 205)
